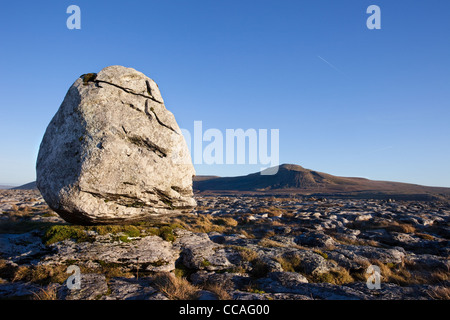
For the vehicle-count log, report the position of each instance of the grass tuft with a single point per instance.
(176, 288)
(49, 293)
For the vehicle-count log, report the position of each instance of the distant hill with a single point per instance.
(203, 178)
(28, 186)
(292, 178)
(4, 186)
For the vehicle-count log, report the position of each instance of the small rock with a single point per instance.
(315, 239)
(93, 287)
(130, 289)
(364, 217)
(207, 295)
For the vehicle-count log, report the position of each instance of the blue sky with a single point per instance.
(347, 100)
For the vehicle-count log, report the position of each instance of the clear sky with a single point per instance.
(347, 100)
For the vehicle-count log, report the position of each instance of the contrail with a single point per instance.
(331, 65)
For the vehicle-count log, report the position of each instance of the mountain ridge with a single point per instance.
(292, 178)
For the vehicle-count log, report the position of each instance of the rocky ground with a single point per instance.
(230, 248)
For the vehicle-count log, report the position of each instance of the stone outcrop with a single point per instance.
(270, 257)
(113, 153)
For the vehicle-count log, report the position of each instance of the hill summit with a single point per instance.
(297, 179)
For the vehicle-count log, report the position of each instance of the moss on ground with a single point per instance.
(337, 276)
(59, 233)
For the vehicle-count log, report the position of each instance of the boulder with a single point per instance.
(93, 286)
(113, 153)
(199, 252)
(315, 239)
(18, 290)
(228, 281)
(366, 253)
(150, 253)
(129, 289)
(22, 248)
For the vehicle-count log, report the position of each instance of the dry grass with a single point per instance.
(291, 263)
(390, 226)
(439, 276)
(206, 223)
(276, 223)
(406, 274)
(324, 255)
(338, 276)
(395, 274)
(41, 274)
(267, 243)
(176, 288)
(112, 270)
(218, 290)
(426, 275)
(253, 288)
(203, 208)
(268, 234)
(425, 236)
(49, 213)
(282, 199)
(271, 211)
(246, 253)
(342, 239)
(246, 234)
(403, 227)
(224, 221)
(49, 293)
(19, 212)
(439, 293)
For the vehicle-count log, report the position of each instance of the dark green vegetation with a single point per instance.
(88, 77)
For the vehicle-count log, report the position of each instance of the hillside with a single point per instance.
(28, 186)
(292, 178)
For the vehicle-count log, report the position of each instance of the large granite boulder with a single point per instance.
(113, 153)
